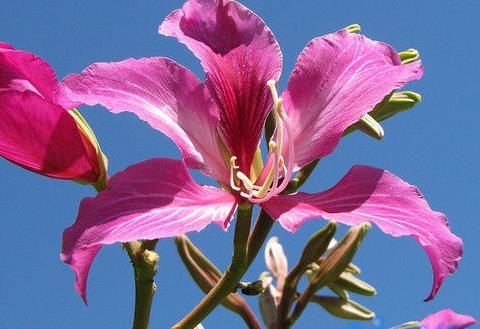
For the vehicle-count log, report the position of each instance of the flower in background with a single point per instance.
(447, 319)
(338, 78)
(36, 131)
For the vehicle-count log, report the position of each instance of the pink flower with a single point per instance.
(217, 125)
(447, 319)
(36, 131)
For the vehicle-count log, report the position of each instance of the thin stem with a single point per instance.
(230, 279)
(258, 235)
(144, 262)
(289, 293)
(301, 178)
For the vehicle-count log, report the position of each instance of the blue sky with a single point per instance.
(435, 147)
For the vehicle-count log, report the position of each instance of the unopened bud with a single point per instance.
(268, 306)
(354, 28)
(340, 257)
(368, 125)
(345, 309)
(204, 273)
(318, 244)
(87, 131)
(353, 284)
(409, 56)
(398, 102)
(276, 260)
(410, 325)
(339, 291)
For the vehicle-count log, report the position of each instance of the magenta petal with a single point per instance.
(44, 138)
(153, 199)
(447, 319)
(337, 79)
(239, 55)
(163, 93)
(21, 71)
(371, 194)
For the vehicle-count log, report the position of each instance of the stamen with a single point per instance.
(233, 167)
(273, 89)
(245, 180)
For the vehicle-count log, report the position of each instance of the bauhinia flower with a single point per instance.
(36, 130)
(447, 319)
(217, 125)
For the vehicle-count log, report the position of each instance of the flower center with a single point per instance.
(268, 182)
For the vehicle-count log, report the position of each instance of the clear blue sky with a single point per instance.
(435, 147)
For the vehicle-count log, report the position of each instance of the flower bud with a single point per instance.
(204, 273)
(353, 284)
(276, 260)
(354, 28)
(409, 56)
(345, 309)
(318, 244)
(409, 325)
(368, 125)
(87, 131)
(268, 306)
(396, 103)
(340, 257)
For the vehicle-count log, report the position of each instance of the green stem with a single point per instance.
(230, 279)
(259, 234)
(144, 262)
(301, 177)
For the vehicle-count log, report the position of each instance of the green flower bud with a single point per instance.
(353, 284)
(318, 244)
(396, 103)
(340, 257)
(409, 325)
(354, 28)
(204, 273)
(409, 56)
(345, 309)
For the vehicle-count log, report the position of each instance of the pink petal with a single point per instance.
(163, 93)
(239, 55)
(370, 194)
(337, 79)
(20, 70)
(44, 138)
(447, 319)
(153, 199)
(4, 45)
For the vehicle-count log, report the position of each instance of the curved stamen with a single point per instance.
(233, 167)
(270, 177)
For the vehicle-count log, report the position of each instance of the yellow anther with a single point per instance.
(272, 146)
(246, 181)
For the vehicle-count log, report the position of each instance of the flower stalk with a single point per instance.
(144, 261)
(230, 279)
